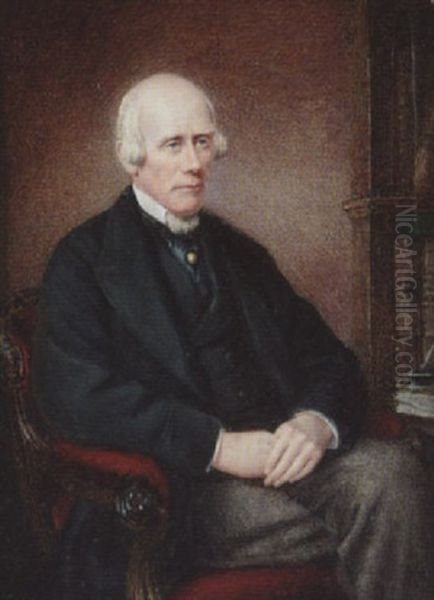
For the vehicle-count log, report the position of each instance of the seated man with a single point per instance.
(165, 331)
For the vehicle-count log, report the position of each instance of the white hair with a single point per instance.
(130, 140)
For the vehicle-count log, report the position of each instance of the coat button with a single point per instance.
(192, 257)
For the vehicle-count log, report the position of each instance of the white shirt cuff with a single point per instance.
(216, 450)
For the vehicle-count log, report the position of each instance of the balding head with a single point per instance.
(158, 97)
(167, 141)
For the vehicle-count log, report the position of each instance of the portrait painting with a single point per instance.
(217, 299)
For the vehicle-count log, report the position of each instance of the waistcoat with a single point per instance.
(237, 389)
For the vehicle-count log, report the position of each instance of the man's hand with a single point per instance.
(244, 454)
(299, 445)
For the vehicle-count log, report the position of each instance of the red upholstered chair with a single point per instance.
(53, 473)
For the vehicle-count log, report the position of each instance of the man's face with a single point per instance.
(179, 135)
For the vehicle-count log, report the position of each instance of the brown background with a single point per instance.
(290, 83)
(289, 79)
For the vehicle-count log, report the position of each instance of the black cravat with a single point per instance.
(187, 249)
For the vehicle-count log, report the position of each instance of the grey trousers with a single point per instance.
(371, 509)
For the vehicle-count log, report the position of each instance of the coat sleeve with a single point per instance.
(326, 374)
(82, 394)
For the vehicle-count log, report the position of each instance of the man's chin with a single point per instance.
(187, 207)
(181, 226)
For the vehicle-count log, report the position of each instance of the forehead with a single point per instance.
(175, 114)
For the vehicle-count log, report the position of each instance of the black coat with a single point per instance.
(112, 364)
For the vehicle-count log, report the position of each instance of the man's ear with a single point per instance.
(132, 170)
(220, 144)
(119, 151)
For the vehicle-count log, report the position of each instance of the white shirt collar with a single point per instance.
(161, 214)
(150, 206)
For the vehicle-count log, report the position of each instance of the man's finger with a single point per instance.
(281, 466)
(297, 467)
(294, 448)
(307, 468)
(291, 462)
(275, 454)
(310, 453)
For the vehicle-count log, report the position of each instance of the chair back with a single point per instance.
(31, 448)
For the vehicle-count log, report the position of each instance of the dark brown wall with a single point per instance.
(289, 82)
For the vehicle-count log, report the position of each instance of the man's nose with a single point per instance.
(191, 158)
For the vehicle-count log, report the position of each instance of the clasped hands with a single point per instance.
(287, 455)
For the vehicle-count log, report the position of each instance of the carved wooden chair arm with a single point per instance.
(114, 462)
(131, 486)
(50, 472)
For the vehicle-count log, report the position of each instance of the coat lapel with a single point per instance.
(265, 335)
(127, 272)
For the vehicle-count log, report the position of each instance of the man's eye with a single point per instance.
(203, 142)
(173, 145)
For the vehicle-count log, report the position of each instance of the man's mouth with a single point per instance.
(197, 187)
